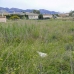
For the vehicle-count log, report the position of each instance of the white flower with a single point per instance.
(41, 54)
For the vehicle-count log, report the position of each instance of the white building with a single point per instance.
(2, 18)
(45, 16)
(32, 15)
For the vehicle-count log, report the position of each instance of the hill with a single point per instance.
(11, 10)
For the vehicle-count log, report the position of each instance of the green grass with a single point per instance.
(20, 41)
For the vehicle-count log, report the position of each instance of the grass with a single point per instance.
(20, 41)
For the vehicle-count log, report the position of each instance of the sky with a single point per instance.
(51, 5)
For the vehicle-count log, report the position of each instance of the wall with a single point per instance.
(2, 18)
(47, 16)
(33, 17)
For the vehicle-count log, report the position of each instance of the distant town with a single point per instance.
(15, 13)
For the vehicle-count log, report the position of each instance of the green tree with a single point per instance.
(54, 16)
(71, 13)
(27, 17)
(36, 11)
(40, 16)
(14, 17)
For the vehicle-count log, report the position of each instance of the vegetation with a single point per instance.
(55, 16)
(20, 41)
(40, 16)
(71, 13)
(36, 11)
(26, 16)
(14, 17)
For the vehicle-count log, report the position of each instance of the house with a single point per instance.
(17, 13)
(32, 15)
(27, 14)
(2, 18)
(47, 16)
(63, 15)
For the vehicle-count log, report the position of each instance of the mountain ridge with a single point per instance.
(11, 10)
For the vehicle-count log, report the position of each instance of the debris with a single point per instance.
(41, 54)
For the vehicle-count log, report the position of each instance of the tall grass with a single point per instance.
(20, 41)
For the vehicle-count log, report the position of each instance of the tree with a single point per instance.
(71, 13)
(27, 17)
(36, 11)
(54, 16)
(14, 17)
(40, 16)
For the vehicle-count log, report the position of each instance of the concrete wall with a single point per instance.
(47, 16)
(2, 18)
(33, 17)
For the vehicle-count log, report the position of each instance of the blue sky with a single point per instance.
(52, 5)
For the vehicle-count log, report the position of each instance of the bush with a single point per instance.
(8, 16)
(15, 17)
(26, 16)
(71, 13)
(40, 16)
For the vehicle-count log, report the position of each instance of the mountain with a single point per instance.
(43, 11)
(11, 10)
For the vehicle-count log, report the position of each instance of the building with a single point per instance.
(32, 15)
(17, 13)
(47, 16)
(63, 15)
(27, 14)
(2, 18)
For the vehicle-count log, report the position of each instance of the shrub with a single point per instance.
(8, 16)
(15, 17)
(26, 16)
(40, 16)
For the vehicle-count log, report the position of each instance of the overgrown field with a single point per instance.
(20, 41)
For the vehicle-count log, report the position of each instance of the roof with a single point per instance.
(63, 14)
(2, 16)
(19, 13)
(31, 14)
(4, 13)
(47, 14)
